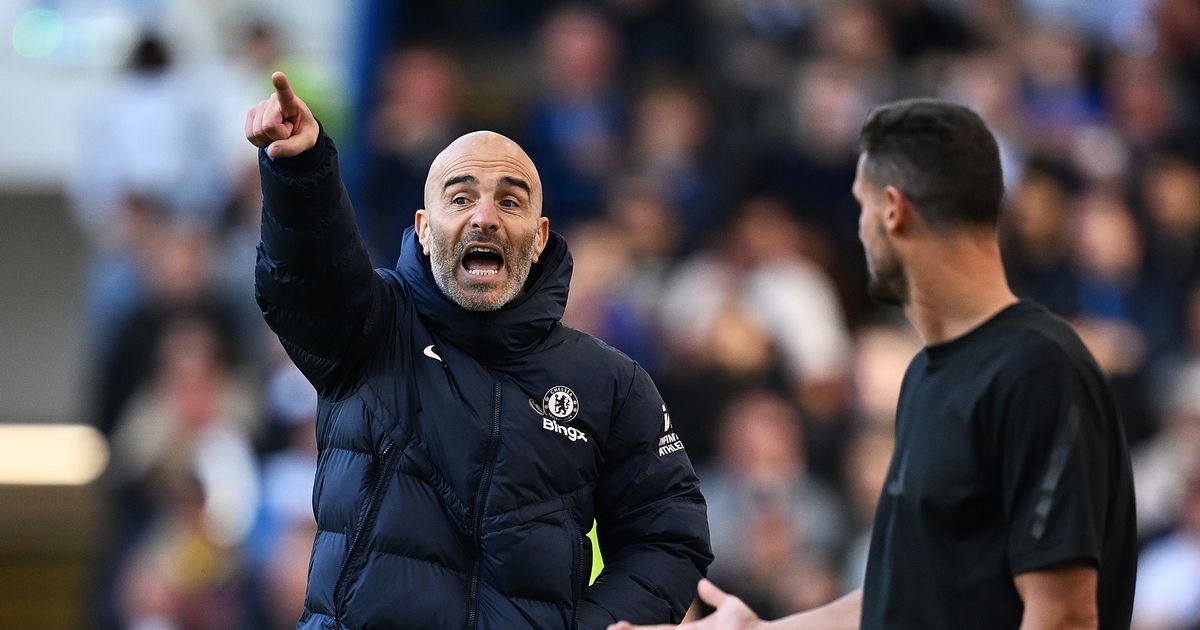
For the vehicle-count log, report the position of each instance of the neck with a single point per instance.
(955, 284)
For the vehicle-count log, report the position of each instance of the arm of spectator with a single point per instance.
(313, 277)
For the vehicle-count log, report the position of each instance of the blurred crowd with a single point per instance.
(698, 158)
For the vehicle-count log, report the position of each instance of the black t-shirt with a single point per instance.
(1010, 457)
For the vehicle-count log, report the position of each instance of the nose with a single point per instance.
(486, 216)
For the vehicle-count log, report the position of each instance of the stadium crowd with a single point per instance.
(698, 158)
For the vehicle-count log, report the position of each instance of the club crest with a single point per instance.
(561, 404)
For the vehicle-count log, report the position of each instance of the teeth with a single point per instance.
(480, 249)
(483, 272)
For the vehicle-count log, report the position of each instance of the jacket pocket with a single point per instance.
(538, 562)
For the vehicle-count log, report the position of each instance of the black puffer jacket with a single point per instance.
(464, 455)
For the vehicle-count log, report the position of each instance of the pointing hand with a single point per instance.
(282, 123)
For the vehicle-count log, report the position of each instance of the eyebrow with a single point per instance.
(460, 179)
(516, 182)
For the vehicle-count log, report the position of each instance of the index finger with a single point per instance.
(287, 98)
(711, 595)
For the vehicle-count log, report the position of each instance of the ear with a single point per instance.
(897, 211)
(421, 223)
(543, 237)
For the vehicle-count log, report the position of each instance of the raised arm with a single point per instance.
(313, 279)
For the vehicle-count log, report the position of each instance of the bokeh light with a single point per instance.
(38, 33)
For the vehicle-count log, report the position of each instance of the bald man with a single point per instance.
(467, 439)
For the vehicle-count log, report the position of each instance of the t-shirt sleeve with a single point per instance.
(1054, 468)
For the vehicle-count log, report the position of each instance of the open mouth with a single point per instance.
(482, 260)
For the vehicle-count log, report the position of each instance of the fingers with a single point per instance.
(282, 123)
(255, 121)
(303, 140)
(712, 595)
(275, 125)
(279, 131)
(250, 114)
(265, 124)
(283, 91)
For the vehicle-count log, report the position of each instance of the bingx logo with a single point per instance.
(559, 406)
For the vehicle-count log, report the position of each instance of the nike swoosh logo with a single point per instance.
(433, 355)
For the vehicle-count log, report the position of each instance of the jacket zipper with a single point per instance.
(584, 574)
(480, 494)
(363, 524)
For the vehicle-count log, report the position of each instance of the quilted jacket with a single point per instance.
(463, 455)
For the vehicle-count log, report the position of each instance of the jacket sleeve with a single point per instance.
(651, 519)
(313, 279)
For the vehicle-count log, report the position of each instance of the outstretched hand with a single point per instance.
(731, 614)
(282, 124)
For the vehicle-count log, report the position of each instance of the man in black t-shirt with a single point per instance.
(1010, 462)
(1009, 500)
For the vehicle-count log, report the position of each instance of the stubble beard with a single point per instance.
(445, 258)
(887, 284)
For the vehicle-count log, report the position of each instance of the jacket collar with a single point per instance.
(492, 336)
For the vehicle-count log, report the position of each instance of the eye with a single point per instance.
(460, 200)
(509, 203)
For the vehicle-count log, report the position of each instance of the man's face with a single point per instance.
(482, 225)
(887, 282)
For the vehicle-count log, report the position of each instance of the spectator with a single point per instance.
(882, 352)
(776, 531)
(185, 487)
(669, 148)
(759, 270)
(1035, 239)
(867, 459)
(1161, 466)
(1114, 284)
(1123, 313)
(1168, 593)
(652, 227)
(179, 576)
(193, 413)
(574, 128)
(131, 143)
(1171, 193)
(420, 111)
(601, 301)
(180, 283)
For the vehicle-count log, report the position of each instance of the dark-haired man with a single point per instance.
(467, 438)
(1009, 499)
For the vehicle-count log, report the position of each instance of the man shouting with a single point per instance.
(467, 437)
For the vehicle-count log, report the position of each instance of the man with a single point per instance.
(467, 438)
(1009, 500)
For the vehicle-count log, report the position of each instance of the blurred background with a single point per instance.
(157, 448)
